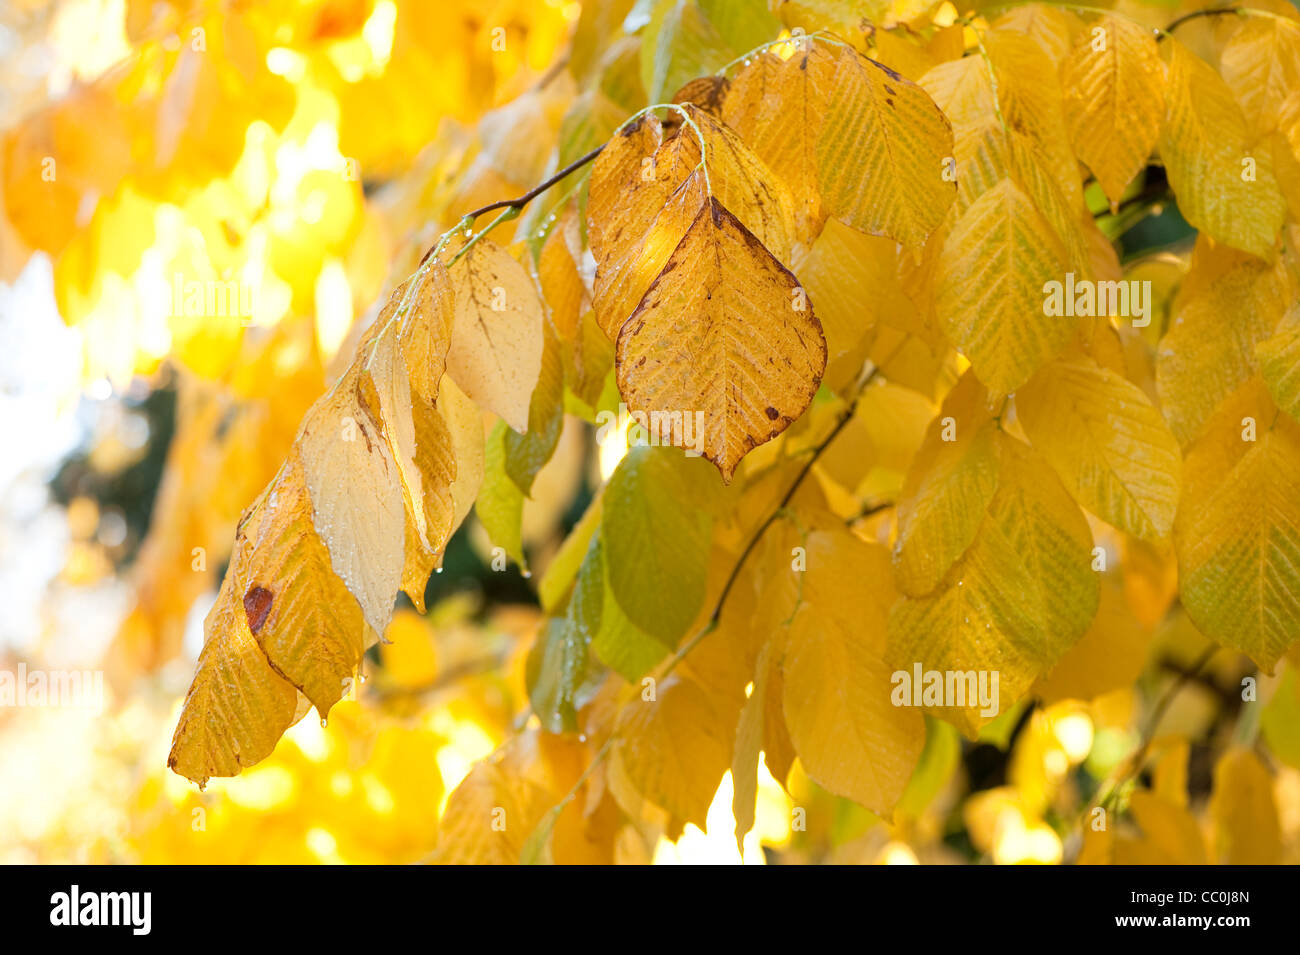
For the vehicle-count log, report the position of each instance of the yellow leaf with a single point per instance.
(706, 92)
(495, 811)
(403, 357)
(1109, 656)
(724, 331)
(1238, 528)
(562, 288)
(1108, 443)
(1204, 359)
(435, 467)
(1114, 101)
(1150, 580)
(1225, 187)
(1052, 28)
(778, 107)
(1245, 813)
(1169, 834)
(948, 488)
(849, 736)
(962, 89)
(297, 608)
(986, 153)
(356, 497)
(1015, 602)
(675, 747)
(853, 279)
(996, 261)
(741, 181)
(464, 423)
(1261, 65)
(882, 151)
(1032, 103)
(424, 307)
(1279, 363)
(490, 816)
(220, 732)
(642, 201)
(496, 342)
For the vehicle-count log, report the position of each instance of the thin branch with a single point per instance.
(533, 193)
(551, 75)
(1195, 14)
(1134, 763)
(869, 508)
(513, 206)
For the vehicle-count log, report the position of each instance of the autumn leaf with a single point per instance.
(676, 746)
(881, 153)
(642, 200)
(496, 341)
(996, 261)
(778, 106)
(297, 608)
(948, 487)
(1279, 363)
(1107, 442)
(219, 734)
(1238, 527)
(688, 354)
(1202, 360)
(849, 736)
(356, 497)
(1022, 594)
(1261, 65)
(1247, 828)
(1115, 101)
(1225, 187)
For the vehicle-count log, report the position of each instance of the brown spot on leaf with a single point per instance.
(257, 607)
(772, 413)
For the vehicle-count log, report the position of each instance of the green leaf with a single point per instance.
(616, 640)
(656, 530)
(500, 503)
(561, 677)
(527, 453)
(679, 44)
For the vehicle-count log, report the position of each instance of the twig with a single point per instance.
(867, 509)
(512, 206)
(1208, 12)
(533, 193)
(1134, 763)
